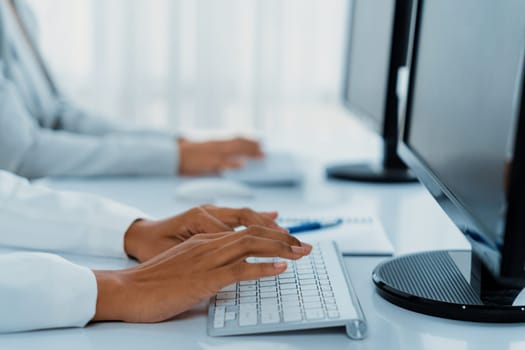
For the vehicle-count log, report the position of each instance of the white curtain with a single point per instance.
(196, 64)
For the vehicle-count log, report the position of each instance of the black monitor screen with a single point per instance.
(369, 57)
(466, 82)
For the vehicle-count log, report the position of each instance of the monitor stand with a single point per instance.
(448, 284)
(391, 170)
(365, 172)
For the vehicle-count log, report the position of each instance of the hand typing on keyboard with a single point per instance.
(313, 292)
(146, 238)
(191, 272)
(302, 291)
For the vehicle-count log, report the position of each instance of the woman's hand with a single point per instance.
(146, 239)
(191, 272)
(196, 158)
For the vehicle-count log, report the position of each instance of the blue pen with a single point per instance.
(313, 225)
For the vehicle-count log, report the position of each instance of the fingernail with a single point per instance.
(280, 265)
(298, 250)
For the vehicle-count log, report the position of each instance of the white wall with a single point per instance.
(186, 64)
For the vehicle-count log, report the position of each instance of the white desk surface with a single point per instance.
(410, 216)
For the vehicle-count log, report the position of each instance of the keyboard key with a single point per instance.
(330, 307)
(306, 276)
(246, 300)
(333, 314)
(218, 323)
(314, 314)
(308, 287)
(268, 294)
(292, 309)
(268, 284)
(265, 279)
(252, 306)
(225, 302)
(270, 316)
(268, 289)
(247, 283)
(303, 282)
(290, 303)
(265, 303)
(247, 288)
(250, 293)
(230, 316)
(310, 292)
(306, 265)
(311, 299)
(247, 316)
(312, 305)
(218, 320)
(291, 316)
(287, 280)
(289, 297)
(289, 292)
(226, 295)
(329, 300)
(288, 286)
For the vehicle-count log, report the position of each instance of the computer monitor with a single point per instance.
(464, 137)
(377, 47)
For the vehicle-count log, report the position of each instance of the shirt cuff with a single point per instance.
(39, 291)
(108, 239)
(148, 155)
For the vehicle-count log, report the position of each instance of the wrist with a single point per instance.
(183, 153)
(111, 296)
(134, 238)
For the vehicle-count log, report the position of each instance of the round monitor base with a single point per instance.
(438, 283)
(370, 173)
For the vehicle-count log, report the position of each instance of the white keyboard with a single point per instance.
(274, 169)
(314, 292)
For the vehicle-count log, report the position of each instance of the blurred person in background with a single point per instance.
(42, 133)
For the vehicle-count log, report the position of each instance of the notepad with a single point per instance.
(358, 235)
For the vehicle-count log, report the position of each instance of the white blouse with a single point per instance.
(41, 290)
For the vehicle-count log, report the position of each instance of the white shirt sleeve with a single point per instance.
(35, 217)
(39, 290)
(33, 150)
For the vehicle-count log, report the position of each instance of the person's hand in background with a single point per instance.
(196, 158)
(145, 239)
(191, 272)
